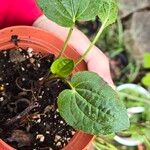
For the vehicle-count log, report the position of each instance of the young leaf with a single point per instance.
(92, 106)
(62, 67)
(108, 12)
(67, 12)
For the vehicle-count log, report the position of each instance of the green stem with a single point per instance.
(135, 71)
(99, 146)
(135, 98)
(103, 144)
(69, 83)
(92, 44)
(147, 142)
(66, 41)
(120, 33)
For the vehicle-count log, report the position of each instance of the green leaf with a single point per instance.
(146, 80)
(62, 67)
(92, 106)
(147, 60)
(108, 12)
(67, 12)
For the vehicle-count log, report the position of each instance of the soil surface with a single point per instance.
(29, 117)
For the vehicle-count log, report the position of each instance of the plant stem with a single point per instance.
(147, 142)
(103, 144)
(135, 72)
(70, 85)
(120, 33)
(66, 41)
(92, 44)
(135, 98)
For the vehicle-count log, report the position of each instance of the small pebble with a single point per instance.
(20, 49)
(40, 137)
(30, 50)
(68, 139)
(1, 99)
(30, 54)
(40, 97)
(40, 78)
(36, 116)
(22, 69)
(23, 79)
(4, 52)
(61, 122)
(39, 120)
(32, 60)
(2, 87)
(38, 65)
(58, 144)
(57, 137)
(47, 132)
(73, 132)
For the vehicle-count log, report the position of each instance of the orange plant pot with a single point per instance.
(44, 42)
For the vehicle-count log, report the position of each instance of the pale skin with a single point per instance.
(96, 60)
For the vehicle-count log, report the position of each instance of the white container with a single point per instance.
(131, 111)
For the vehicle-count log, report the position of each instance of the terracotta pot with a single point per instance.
(44, 42)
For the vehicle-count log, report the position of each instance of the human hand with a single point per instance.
(96, 60)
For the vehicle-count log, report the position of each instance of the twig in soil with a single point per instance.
(26, 90)
(23, 89)
(48, 77)
(22, 114)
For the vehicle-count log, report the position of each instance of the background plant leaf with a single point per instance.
(146, 80)
(147, 60)
(92, 106)
(66, 12)
(108, 12)
(62, 67)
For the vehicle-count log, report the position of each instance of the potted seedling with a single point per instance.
(43, 103)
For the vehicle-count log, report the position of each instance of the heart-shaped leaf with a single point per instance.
(62, 67)
(108, 11)
(92, 105)
(67, 12)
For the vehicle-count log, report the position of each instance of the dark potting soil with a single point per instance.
(29, 117)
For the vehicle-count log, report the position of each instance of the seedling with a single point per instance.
(90, 104)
